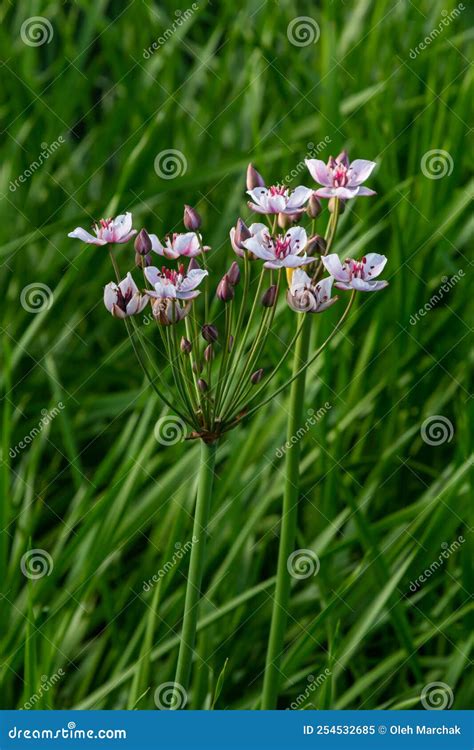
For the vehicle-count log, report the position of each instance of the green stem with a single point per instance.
(288, 527)
(196, 566)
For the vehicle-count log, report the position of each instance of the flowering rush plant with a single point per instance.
(213, 334)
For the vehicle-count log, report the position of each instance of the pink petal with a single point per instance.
(81, 234)
(333, 265)
(320, 172)
(359, 171)
(299, 196)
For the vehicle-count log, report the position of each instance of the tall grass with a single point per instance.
(95, 489)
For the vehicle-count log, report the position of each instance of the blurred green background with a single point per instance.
(384, 492)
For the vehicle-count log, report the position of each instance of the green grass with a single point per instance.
(95, 489)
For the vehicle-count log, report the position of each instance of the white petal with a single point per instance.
(110, 295)
(298, 197)
(298, 239)
(373, 266)
(152, 275)
(319, 171)
(333, 265)
(259, 196)
(81, 234)
(359, 171)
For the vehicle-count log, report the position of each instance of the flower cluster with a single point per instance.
(216, 363)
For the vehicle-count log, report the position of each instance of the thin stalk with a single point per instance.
(196, 565)
(288, 528)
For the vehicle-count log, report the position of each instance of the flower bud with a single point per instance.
(257, 376)
(314, 207)
(142, 242)
(185, 345)
(233, 274)
(254, 178)
(197, 367)
(269, 297)
(191, 219)
(209, 333)
(225, 290)
(332, 205)
(316, 244)
(343, 158)
(242, 233)
(209, 353)
(193, 265)
(283, 221)
(202, 385)
(231, 343)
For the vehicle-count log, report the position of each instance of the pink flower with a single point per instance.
(168, 284)
(124, 299)
(304, 296)
(341, 178)
(186, 244)
(283, 251)
(236, 235)
(279, 199)
(359, 275)
(107, 231)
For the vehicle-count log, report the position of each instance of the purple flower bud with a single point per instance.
(225, 290)
(202, 385)
(254, 178)
(269, 297)
(193, 265)
(191, 219)
(283, 221)
(142, 242)
(209, 333)
(314, 207)
(257, 376)
(197, 367)
(316, 244)
(233, 274)
(186, 345)
(343, 158)
(209, 353)
(242, 233)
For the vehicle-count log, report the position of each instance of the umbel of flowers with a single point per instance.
(213, 334)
